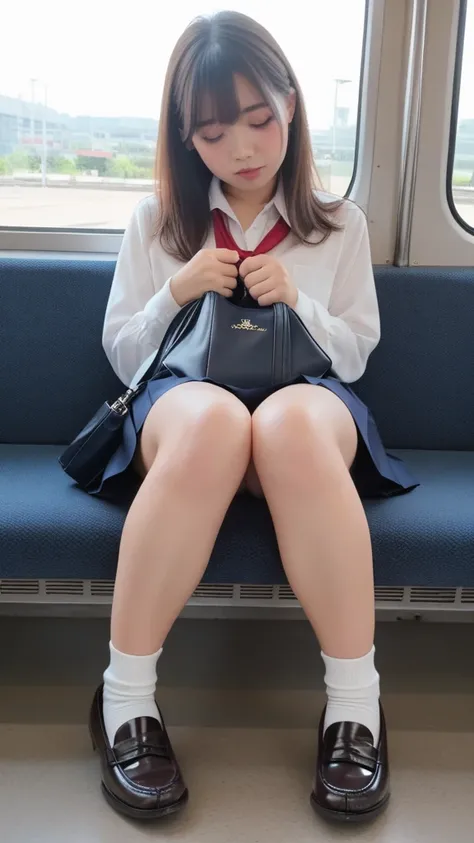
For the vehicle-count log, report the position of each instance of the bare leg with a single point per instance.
(304, 441)
(193, 453)
(195, 448)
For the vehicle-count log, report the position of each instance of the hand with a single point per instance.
(268, 281)
(210, 269)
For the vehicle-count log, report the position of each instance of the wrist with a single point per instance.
(177, 291)
(292, 298)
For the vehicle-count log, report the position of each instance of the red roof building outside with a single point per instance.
(93, 153)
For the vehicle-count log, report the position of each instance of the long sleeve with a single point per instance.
(349, 329)
(136, 317)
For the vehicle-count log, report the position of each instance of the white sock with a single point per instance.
(129, 689)
(353, 691)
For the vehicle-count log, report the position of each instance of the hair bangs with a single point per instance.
(209, 92)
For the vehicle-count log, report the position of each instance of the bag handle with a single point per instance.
(281, 361)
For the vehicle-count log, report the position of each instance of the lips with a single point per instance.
(250, 173)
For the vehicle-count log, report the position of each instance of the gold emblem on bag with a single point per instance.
(246, 325)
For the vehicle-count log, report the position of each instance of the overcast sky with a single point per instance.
(100, 58)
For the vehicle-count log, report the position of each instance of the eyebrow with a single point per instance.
(247, 110)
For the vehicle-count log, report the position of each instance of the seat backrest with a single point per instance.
(54, 373)
(419, 382)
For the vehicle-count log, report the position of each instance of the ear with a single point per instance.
(291, 104)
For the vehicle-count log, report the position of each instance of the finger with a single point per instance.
(262, 289)
(229, 270)
(269, 298)
(252, 264)
(230, 283)
(227, 255)
(222, 282)
(257, 277)
(227, 293)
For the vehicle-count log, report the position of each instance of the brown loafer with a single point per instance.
(140, 775)
(352, 777)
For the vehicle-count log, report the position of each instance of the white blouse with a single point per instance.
(337, 299)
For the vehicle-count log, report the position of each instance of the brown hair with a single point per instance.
(207, 56)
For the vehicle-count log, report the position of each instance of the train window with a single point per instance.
(79, 101)
(461, 163)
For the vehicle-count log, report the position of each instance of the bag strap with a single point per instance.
(121, 404)
(174, 333)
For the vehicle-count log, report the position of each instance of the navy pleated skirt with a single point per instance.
(375, 472)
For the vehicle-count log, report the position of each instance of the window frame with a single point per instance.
(436, 237)
(83, 243)
(361, 88)
(453, 133)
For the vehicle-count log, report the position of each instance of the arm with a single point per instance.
(349, 329)
(136, 317)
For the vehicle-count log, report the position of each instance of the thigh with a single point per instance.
(173, 416)
(314, 409)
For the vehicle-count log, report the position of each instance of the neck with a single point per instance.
(251, 198)
(248, 204)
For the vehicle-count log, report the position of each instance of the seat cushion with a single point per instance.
(51, 529)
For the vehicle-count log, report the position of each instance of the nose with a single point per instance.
(242, 147)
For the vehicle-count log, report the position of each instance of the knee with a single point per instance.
(290, 442)
(221, 424)
(216, 439)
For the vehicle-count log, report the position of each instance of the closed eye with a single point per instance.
(252, 126)
(212, 140)
(262, 125)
